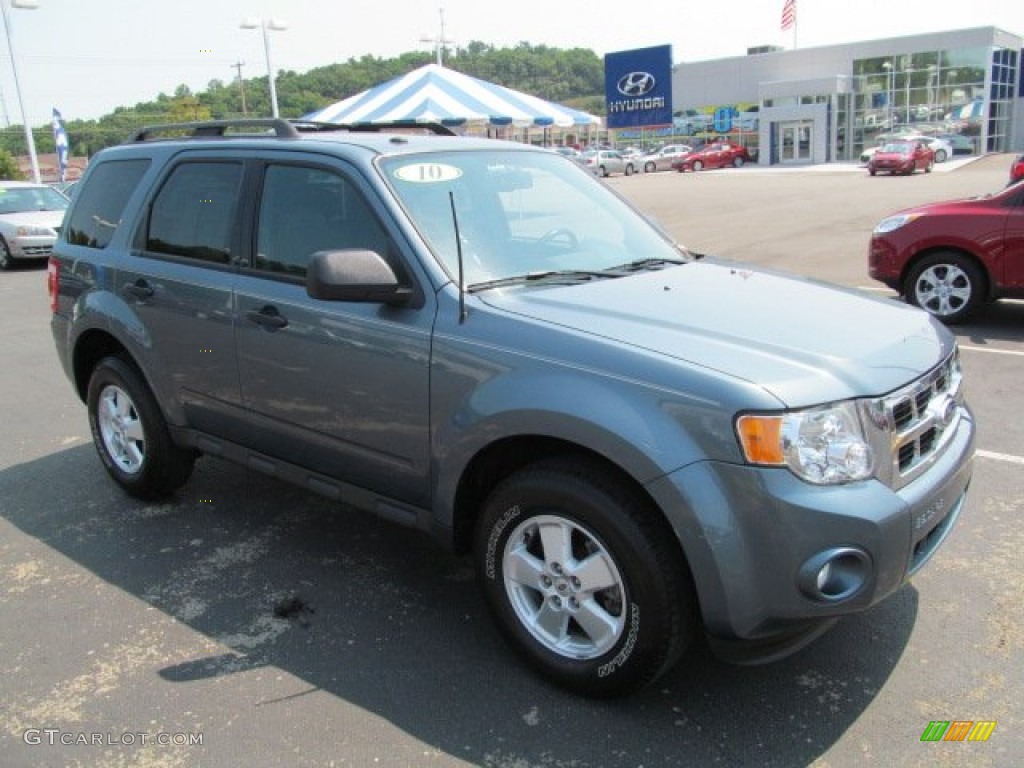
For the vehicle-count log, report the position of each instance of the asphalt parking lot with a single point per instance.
(247, 623)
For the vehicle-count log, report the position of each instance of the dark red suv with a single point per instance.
(949, 258)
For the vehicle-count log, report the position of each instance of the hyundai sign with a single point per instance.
(638, 87)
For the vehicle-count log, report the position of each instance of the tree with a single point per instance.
(9, 167)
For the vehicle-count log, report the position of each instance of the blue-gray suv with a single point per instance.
(636, 444)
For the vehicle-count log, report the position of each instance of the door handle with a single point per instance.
(268, 318)
(140, 289)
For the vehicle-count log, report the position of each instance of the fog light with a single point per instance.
(835, 574)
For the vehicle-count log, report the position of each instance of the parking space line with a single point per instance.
(1000, 457)
(1012, 352)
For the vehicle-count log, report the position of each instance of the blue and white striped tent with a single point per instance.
(439, 95)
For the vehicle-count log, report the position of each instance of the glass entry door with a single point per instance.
(794, 142)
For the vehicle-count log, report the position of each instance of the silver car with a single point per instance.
(30, 219)
(605, 162)
(662, 159)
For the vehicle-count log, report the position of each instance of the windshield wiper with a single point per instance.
(644, 264)
(554, 275)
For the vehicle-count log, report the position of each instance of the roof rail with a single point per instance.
(282, 129)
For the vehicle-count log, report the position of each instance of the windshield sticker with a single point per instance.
(428, 173)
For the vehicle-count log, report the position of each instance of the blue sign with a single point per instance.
(638, 87)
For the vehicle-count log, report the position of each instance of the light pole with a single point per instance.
(275, 25)
(29, 5)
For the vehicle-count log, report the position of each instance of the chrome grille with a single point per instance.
(916, 421)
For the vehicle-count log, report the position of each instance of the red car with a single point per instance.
(902, 157)
(1017, 169)
(716, 155)
(949, 258)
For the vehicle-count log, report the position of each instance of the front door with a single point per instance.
(340, 388)
(794, 142)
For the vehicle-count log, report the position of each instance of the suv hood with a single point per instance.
(804, 342)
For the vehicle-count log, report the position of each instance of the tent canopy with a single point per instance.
(435, 94)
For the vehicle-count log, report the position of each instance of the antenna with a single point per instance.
(458, 253)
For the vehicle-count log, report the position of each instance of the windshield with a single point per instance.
(20, 199)
(898, 148)
(521, 214)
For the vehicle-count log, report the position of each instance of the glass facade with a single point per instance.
(935, 93)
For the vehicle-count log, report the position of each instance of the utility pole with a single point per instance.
(241, 84)
(439, 42)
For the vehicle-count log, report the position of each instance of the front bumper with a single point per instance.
(754, 537)
(31, 246)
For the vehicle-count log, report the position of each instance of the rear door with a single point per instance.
(179, 281)
(341, 388)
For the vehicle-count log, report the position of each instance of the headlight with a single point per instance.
(824, 446)
(36, 232)
(894, 222)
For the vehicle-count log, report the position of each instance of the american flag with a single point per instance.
(60, 140)
(788, 14)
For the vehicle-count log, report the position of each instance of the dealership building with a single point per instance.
(826, 104)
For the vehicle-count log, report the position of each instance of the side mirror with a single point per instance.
(354, 275)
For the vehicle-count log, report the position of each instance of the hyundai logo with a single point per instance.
(636, 84)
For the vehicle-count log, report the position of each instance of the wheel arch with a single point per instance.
(91, 347)
(501, 458)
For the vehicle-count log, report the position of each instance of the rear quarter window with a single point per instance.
(99, 206)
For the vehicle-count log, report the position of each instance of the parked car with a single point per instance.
(635, 445)
(30, 219)
(605, 162)
(962, 145)
(903, 157)
(662, 159)
(942, 148)
(719, 154)
(1017, 169)
(949, 258)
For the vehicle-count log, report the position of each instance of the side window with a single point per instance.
(100, 203)
(194, 212)
(304, 210)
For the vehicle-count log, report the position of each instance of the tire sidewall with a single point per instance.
(164, 466)
(644, 648)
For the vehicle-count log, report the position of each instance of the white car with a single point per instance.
(30, 218)
(662, 159)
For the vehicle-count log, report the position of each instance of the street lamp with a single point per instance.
(275, 25)
(29, 5)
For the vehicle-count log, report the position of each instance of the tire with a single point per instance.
(6, 260)
(629, 169)
(940, 156)
(928, 168)
(872, 171)
(130, 433)
(697, 165)
(604, 172)
(737, 162)
(581, 580)
(650, 167)
(948, 285)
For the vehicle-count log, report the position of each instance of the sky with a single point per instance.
(87, 57)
